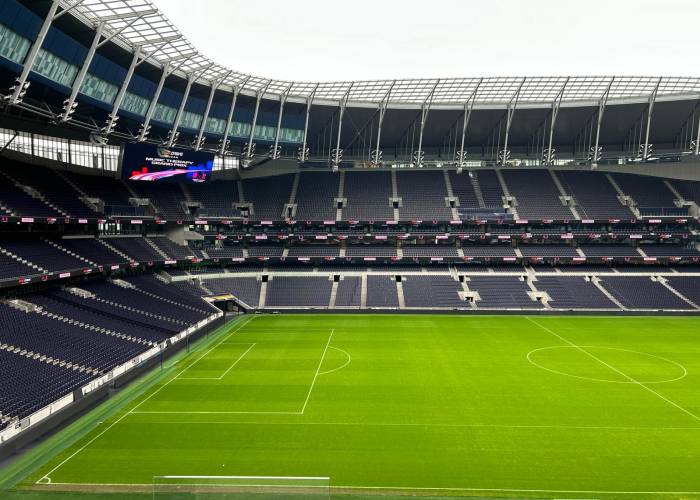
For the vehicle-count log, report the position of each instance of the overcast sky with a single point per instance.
(324, 40)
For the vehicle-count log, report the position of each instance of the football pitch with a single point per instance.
(507, 406)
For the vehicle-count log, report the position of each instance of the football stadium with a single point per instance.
(215, 285)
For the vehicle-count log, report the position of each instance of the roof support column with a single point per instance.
(250, 148)
(652, 100)
(468, 108)
(597, 150)
(419, 155)
(146, 127)
(207, 110)
(337, 153)
(225, 140)
(68, 104)
(274, 152)
(113, 117)
(303, 153)
(21, 82)
(505, 154)
(549, 154)
(172, 137)
(377, 153)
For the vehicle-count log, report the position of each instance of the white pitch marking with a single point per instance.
(340, 367)
(419, 488)
(228, 369)
(447, 425)
(687, 412)
(216, 413)
(318, 368)
(48, 474)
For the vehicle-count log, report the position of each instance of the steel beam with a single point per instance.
(425, 109)
(555, 112)
(122, 92)
(283, 99)
(78, 82)
(509, 118)
(601, 111)
(343, 105)
(468, 108)
(205, 117)
(173, 132)
(249, 154)
(309, 102)
(382, 111)
(15, 97)
(229, 119)
(652, 101)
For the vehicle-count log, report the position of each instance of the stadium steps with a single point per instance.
(65, 250)
(83, 196)
(23, 261)
(535, 294)
(597, 282)
(156, 248)
(395, 193)
(680, 201)
(295, 188)
(663, 281)
(34, 193)
(118, 252)
(399, 293)
(334, 294)
(363, 291)
(564, 195)
(641, 252)
(622, 197)
(507, 195)
(450, 193)
(341, 190)
(263, 295)
(474, 179)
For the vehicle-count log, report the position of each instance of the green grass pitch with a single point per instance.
(510, 406)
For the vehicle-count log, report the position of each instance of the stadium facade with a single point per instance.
(538, 194)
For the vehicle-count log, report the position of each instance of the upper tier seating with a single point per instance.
(268, 196)
(429, 251)
(500, 250)
(166, 197)
(645, 191)
(52, 186)
(216, 198)
(12, 268)
(170, 248)
(259, 250)
(370, 251)
(668, 250)
(463, 189)
(14, 201)
(537, 195)
(595, 196)
(423, 196)
(605, 250)
(316, 196)
(314, 251)
(368, 196)
(111, 191)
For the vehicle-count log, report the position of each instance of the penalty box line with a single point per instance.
(300, 412)
(250, 344)
(620, 372)
(47, 476)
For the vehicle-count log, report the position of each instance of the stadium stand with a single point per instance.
(536, 194)
(368, 196)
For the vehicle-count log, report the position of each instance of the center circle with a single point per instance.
(624, 366)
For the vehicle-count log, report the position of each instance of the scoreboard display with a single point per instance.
(151, 163)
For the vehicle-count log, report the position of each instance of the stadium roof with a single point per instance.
(139, 23)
